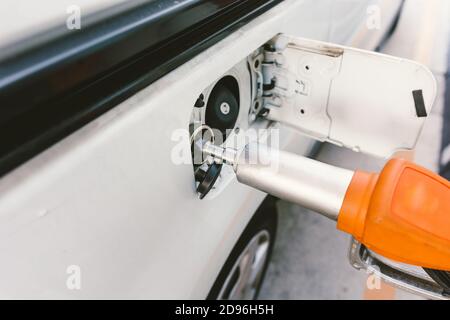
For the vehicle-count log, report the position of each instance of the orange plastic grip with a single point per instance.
(403, 214)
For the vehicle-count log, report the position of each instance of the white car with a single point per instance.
(92, 202)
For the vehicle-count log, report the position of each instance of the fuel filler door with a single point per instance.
(366, 101)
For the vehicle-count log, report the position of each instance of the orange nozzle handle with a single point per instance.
(403, 213)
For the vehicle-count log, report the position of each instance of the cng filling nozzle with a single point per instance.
(402, 213)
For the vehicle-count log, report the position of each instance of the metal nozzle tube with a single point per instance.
(309, 183)
(227, 155)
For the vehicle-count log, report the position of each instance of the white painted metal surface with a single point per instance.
(110, 200)
(362, 24)
(22, 19)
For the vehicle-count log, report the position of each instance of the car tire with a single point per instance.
(243, 273)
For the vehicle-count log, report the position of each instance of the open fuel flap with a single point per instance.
(362, 100)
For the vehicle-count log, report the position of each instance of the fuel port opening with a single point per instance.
(215, 115)
(206, 170)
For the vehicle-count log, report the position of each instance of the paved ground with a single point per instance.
(310, 257)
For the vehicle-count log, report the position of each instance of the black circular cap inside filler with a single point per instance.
(222, 110)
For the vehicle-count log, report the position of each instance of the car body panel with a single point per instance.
(362, 24)
(110, 199)
(22, 19)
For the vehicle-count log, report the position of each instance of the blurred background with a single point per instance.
(310, 255)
